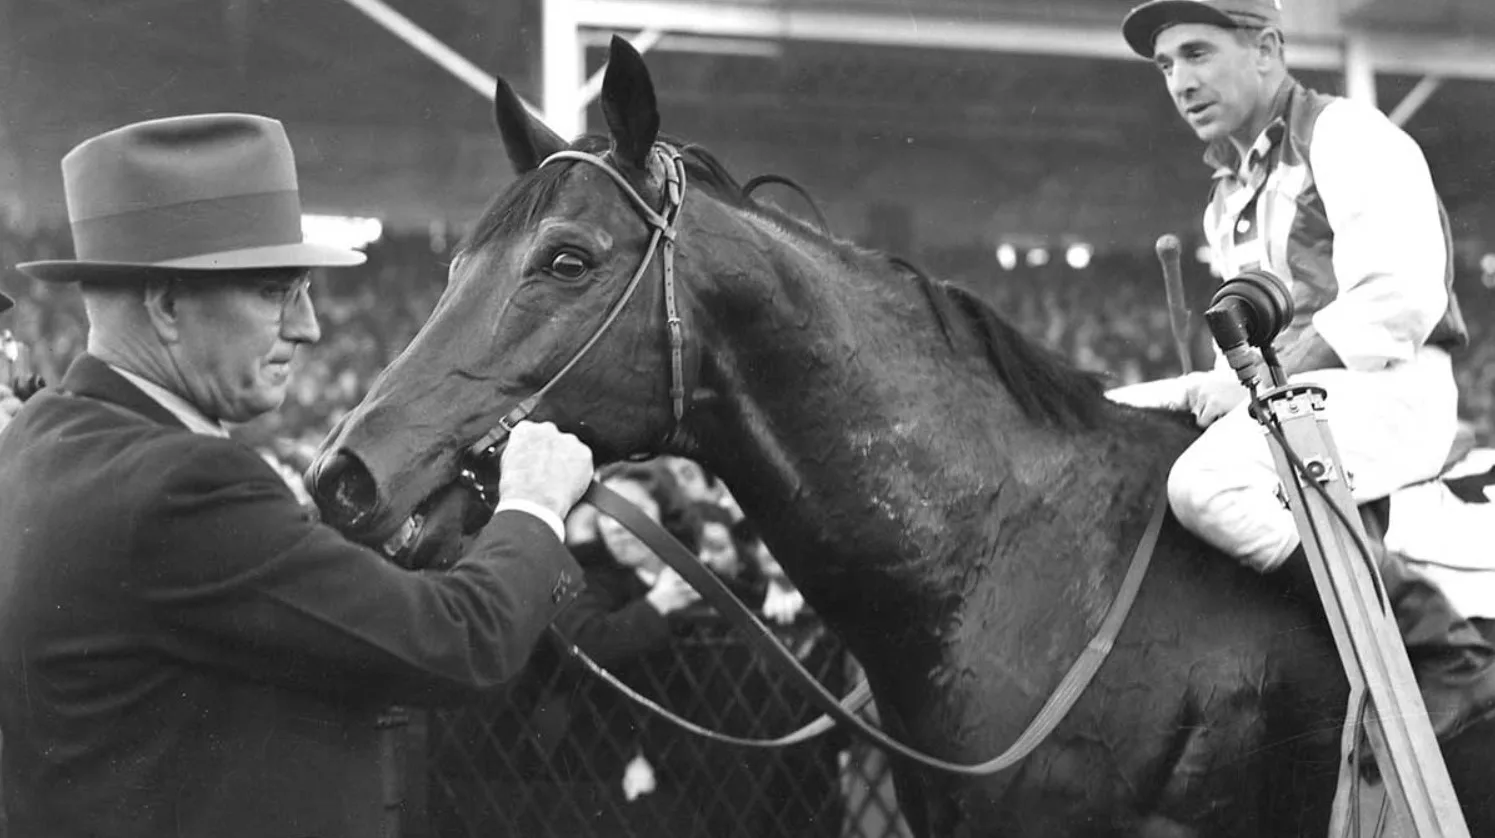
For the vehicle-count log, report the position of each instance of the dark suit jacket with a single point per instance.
(185, 651)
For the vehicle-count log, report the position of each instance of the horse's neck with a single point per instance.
(864, 446)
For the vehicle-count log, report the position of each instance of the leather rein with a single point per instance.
(663, 240)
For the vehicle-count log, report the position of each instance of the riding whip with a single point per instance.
(1168, 248)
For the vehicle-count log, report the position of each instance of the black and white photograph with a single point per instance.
(747, 418)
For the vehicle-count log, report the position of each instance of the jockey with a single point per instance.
(1334, 199)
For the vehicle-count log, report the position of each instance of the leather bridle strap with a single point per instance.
(1058, 705)
(662, 239)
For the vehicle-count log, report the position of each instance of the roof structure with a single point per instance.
(966, 114)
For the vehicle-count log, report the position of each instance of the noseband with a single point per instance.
(663, 228)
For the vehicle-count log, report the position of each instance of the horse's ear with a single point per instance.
(527, 140)
(628, 104)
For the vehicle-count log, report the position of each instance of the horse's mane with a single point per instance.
(1045, 386)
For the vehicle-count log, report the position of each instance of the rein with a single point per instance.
(1058, 705)
(662, 240)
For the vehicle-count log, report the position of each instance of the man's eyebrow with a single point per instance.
(1187, 46)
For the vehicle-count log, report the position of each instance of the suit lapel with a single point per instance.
(94, 379)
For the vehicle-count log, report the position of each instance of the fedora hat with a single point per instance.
(1143, 23)
(207, 192)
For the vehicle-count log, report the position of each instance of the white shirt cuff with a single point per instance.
(549, 517)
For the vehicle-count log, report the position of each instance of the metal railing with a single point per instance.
(549, 757)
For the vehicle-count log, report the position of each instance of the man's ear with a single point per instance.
(161, 299)
(1269, 46)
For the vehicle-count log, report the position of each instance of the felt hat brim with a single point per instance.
(297, 255)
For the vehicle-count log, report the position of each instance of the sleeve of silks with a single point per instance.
(1389, 249)
(1165, 393)
(247, 581)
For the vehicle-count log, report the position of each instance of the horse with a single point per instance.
(956, 502)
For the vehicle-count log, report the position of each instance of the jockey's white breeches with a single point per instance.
(1392, 427)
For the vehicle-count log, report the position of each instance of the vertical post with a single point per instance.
(1359, 70)
(562, 66)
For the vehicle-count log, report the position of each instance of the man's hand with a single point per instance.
(671, 592)
(1212, 395)
(9, 404)
(544, 466)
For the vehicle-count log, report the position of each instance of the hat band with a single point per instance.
(193, 228)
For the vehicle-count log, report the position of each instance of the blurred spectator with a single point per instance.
(696, 484)
(718, 546)
(782, 602)
(623, 614)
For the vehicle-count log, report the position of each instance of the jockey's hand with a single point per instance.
(9, 404)
(545, 466)
(1213, 394)
(1165, 394)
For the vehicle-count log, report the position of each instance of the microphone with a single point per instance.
(1248, 312)
(1230, 321)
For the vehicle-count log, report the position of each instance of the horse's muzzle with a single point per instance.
(345, 492)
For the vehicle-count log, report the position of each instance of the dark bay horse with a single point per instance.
(957, 503)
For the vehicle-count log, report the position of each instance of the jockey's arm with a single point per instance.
(1390, 254)
(1309, 352)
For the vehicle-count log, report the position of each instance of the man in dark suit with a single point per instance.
(9, 403)
(185, 650)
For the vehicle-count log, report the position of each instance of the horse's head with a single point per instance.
(558, 302)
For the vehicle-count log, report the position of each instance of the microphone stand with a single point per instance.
(1347, 577)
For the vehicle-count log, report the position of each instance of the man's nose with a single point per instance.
(1181, 80)
(298, 322)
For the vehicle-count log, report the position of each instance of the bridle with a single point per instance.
(714, 592)
(662, 224)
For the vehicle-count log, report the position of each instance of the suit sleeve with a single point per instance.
(611, 628)
(247, 580)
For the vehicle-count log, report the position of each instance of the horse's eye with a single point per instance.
(568, 265)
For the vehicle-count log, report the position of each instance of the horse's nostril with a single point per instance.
(344, 491)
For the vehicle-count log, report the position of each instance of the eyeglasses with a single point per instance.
(287, 295)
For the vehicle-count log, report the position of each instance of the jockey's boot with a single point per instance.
(1453, 662)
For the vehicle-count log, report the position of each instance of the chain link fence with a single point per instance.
(563, 754)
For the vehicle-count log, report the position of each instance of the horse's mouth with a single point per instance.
(432, 536)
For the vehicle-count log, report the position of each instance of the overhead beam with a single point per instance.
(1422, 55)
(1415, 99)
(430, 46)
(1389, 52)
(754, 20)
(699, 44)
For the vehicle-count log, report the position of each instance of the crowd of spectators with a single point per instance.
(1109, 317)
